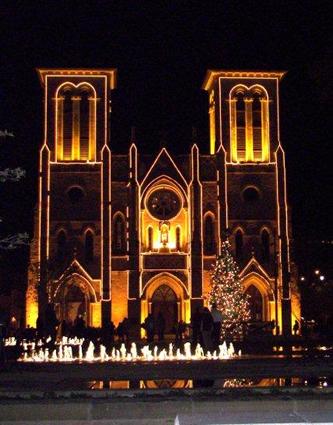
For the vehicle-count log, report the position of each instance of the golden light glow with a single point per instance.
(76, 153)
(212, 123)
(240, 136)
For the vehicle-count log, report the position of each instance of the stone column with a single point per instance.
(76, 127)
(44, 205)
(264, 128)
(92, 129)
(248, 128)
(282, 219)
(60, 128)
(196, 228)
(106, 235)
(133, 240)
(233, 130)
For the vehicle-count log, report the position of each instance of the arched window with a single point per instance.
(75, 122)
(239, 245)
(256, 303)
(84, 126)
(209, 235)
(119, 235)
(178, 238)
(89, 247)
(249, 121)
(257, 127)
(61, 245)
(240, 122)
(150, 238)
(265, 245)
(66, 145)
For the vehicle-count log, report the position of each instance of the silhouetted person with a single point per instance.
(160, 326)
(39, 328)
(217, 319)
(51, 322)
(148, 326)
(79, 326)
(123, 330)
(207, 325)
(195, 324)
(296, 327)
(180, 329)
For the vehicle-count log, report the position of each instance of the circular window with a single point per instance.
(251, 194)
(75, 194)
(163, 204)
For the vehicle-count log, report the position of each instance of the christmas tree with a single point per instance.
(228, 295)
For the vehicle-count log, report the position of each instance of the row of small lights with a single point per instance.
(317, 273)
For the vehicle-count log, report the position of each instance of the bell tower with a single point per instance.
(251, 176)
(73, 236)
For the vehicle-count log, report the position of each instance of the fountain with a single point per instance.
(63, 352)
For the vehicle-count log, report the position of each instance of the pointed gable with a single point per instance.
(253, 266)
(164, 166)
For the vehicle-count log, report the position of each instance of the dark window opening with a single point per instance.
(209, 236)
(265, 242)
(89, 247)
(75, 194)
(119, 235)
(61, 245)
(251, 194)
(239, 245)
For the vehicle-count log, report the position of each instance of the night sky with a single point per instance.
(162, 51)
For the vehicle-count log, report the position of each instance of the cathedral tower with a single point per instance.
(251, 176)
(71, 256)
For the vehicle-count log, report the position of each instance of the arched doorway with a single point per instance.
(164, 300)
(73, 297)
(76, 303)
(256, 303)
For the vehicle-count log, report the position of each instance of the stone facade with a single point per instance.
(124, 235)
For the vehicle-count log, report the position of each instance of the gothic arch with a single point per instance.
(177, 286)
(119, 233)
(249, 123)
(239, 242)
(266, 292)
(163, 182)
(209, 235)
(75, 122)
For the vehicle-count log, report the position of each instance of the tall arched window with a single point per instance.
(256, 127)
(61, 245)
(150, 238)
(75, 122)
(255, 302)
(249, 121)
(89, 247)
(239, 245)
(65, 148)
(84, 125)
(209, 235)
(240, 122)
(119, 235)
(265, 245)
(178, 238)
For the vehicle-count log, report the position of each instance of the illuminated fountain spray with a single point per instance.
(64, 353)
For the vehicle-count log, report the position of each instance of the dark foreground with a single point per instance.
(157, 410)
(136, 393)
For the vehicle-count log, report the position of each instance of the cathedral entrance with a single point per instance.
(76, 304)
(256, 303)
(164, 300)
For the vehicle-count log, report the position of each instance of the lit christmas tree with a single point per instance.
(227, 292)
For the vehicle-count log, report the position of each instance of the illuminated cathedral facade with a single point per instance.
(126, 235)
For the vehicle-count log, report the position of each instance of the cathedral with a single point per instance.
(127, 235)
